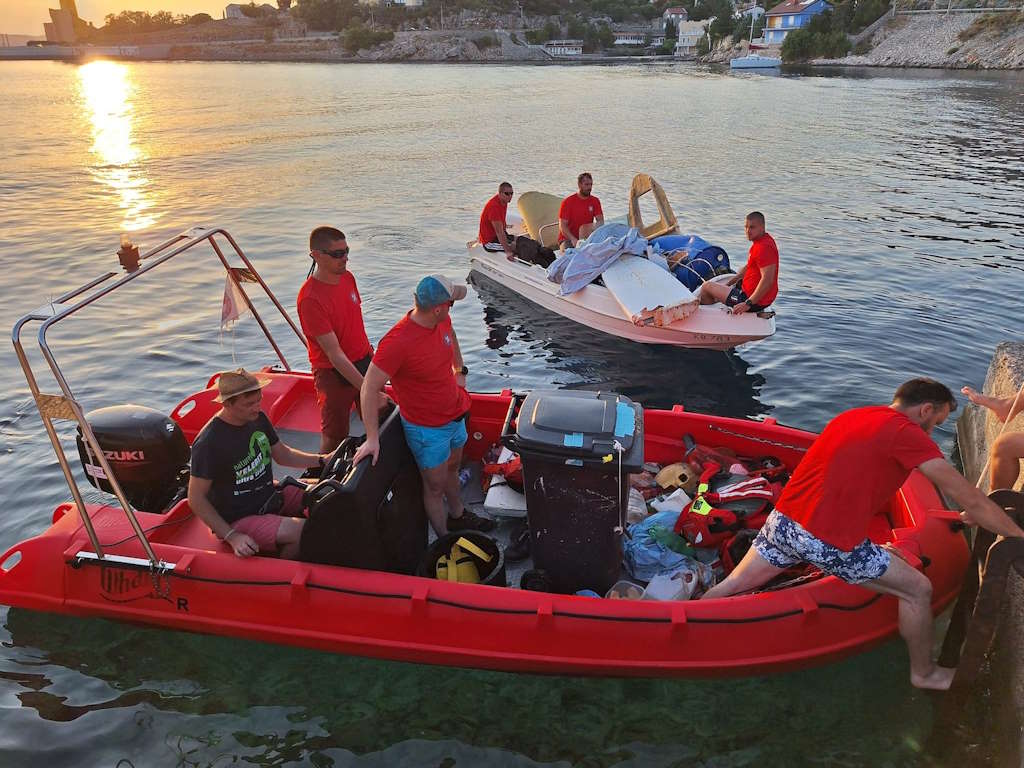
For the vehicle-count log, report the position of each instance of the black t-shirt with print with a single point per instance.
(237, 460)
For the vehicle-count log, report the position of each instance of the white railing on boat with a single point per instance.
(64, 407)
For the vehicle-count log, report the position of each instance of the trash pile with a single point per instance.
(691, 522)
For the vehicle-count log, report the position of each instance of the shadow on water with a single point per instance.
(155, 695)
(702, 380)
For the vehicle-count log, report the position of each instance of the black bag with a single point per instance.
(530, 250)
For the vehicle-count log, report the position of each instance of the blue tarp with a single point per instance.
(578, 267)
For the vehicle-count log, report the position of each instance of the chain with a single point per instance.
(161, 582)
(765, 440)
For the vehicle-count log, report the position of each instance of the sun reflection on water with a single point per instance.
(106, 89)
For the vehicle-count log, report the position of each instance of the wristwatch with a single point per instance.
(462, 371)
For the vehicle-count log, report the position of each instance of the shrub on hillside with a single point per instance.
(200, 18)
(485, 41)
(819, 39)
(358, 37)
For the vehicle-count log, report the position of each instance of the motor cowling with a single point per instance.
(146, 450)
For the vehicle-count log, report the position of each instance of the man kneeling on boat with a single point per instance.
(421, 356)
(756, 285)
(231, 483)
(850, 473)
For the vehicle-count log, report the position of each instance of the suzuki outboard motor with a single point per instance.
(146, 450)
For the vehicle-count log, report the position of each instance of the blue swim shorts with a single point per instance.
(784, 542)
(431, 446)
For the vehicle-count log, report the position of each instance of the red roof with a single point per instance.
(791, 6)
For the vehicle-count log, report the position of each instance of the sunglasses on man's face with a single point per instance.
(339, 253)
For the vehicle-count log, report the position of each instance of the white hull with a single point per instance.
(710, 327)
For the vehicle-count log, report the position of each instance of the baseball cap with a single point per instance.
(433, 290)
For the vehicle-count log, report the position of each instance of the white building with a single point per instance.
(689, 33)
(563, 48)
(634, 39)
(675, 14)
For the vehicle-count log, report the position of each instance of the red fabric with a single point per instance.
(578, 211)
(495, 210)
(325, 308)
(419, 363)
(852, 471)
(763, 253)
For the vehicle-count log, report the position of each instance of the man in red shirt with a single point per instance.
(849, 475)
(422, 358)
(580, 214)
(755, 286)
(331, 316)
(492, 221)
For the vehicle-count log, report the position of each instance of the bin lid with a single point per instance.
(579, 423)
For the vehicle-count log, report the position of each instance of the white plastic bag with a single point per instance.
(674, 502)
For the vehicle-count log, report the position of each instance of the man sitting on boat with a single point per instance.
(494, 237)
(331, 315)
(756, 285)
(231, 481)
(580, 213)
(849, 474)
(421, 356)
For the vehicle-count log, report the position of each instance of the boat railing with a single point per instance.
(65, 407)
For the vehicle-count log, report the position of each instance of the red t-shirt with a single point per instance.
(419, 362)
(763, 253)
(852, 470)
(325, 308)
(578, 211)
(495, 210)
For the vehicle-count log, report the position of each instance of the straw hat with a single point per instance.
(233, 383)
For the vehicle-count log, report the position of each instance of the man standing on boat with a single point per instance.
(580, 213)
(331, 315)
(755, 286)
(849, 475)
(421, 356)
(231, 481)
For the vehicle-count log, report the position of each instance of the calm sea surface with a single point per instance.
(895, 199)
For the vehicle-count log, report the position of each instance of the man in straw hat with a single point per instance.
(421, 356)
(231, 483)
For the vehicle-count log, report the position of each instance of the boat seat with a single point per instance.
(540, 215)
(666, 224)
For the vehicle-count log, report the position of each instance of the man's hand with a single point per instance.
(370, 447)
(510, 254)
(243, 544)
(741, 308)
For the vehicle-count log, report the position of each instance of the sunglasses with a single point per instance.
(340, 253)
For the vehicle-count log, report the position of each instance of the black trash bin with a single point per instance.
(369, 516)
(577, 482)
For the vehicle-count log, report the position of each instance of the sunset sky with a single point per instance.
(26, 17)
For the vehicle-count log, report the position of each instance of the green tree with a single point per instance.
(358, 37)
(200, 18)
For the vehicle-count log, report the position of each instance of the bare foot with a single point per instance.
(939, 679)
(1000, 406)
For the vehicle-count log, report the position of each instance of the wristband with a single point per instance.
(228, 534)
(462, 371)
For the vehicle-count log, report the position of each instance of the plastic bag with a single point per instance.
(682, 583)
(636, 510)
(645, 554)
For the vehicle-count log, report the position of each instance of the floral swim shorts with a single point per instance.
(784, 543)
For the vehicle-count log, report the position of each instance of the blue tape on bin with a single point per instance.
(625, 421)
(573, 440)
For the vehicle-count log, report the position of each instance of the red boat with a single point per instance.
(168, 570)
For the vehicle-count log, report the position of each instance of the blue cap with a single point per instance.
(434, 290)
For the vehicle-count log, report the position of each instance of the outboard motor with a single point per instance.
(146, 450)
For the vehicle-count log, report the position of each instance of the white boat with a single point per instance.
(628, 316)
(711, 326)
(755, 61)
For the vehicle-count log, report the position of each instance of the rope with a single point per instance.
(1009, 418)
(765, 440)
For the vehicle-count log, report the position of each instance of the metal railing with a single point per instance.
(914, 7)
(64, 406)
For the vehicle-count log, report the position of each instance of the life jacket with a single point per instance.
(511, 471)
(709, 520)
(460, 564)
